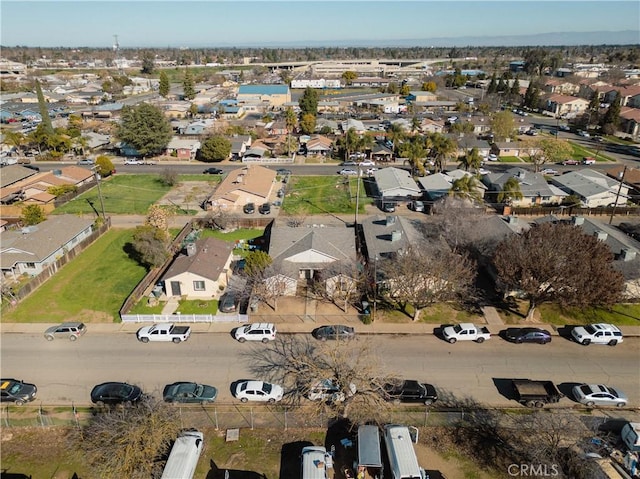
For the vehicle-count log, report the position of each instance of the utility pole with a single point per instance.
(613, 211)
(97, 176)
(355, 221)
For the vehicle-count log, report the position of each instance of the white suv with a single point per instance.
(597, 334)
(264, 332)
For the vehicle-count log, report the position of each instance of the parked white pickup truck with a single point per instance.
(466, 332)
(164, 332)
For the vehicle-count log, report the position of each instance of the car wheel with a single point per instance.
(428, 402)
(243, 399)
(589, 404)
(100, 403)
(586, 342)
(539, 404)
(49, 338)
(452, 340)
(73, 337)
(144, 340)
(613, 342)
(519, 341)
(176, 340)
(19, 402)
(621, 404)
(530, 404)
(265, 340)
(480, 340)
(271, 400)
(241, 340)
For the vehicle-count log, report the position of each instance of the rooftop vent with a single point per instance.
(577, 220)
(627, 254)
(512, 219)
(396, 235)
(391, 220)
(191, 249)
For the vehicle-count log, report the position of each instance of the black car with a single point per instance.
(249, 208)
(265, 208)
(527, 335)
(212, 171)
(410, 391)
(17, 392)
(334, 331)
(228, 302)
(185, 392)
(115, 393)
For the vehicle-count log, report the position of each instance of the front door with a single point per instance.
(175, 288)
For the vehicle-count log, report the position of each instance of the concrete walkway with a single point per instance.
(491, 316)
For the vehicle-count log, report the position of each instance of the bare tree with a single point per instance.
(424, 275)
(558, 262)
(270, 284)
(341, 283)
(129, 442)
(298, 364)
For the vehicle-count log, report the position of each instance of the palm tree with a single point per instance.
(471, 160)
(467, 188)
(442, 148)
(510, 191)
(290, 119)
(14, 139)
(415, 151)
(415, 124)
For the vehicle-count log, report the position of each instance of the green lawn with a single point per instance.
(579, 152)
(90, 288)
(620, 314)
(239, 234)
(122, 194)
(323, 194)
(509, 159)
(198, 306)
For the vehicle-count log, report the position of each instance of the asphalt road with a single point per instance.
(65, 372)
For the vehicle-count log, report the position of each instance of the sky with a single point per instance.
(268, 23)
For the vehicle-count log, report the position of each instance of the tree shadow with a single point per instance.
(217, 473)
(290, 458)
(340, 440)
(16, 475)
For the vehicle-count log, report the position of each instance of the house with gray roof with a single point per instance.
(201, 271)
(310, 253)
(385, 236)
(396, 184)
(592, 187)
(439, 184)
(533, 186)
(239, 145)
(31, 249)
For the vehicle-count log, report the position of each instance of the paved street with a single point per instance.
(66, 371)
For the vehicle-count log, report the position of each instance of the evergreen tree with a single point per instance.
(47, 127)
(188, 86)
(493, 86)
(309, 101)
(502, 86)
(515, 87)
(611, 118)
(164, 84)
(145, 128)
(148, 63)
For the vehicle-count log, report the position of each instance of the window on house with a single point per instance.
(31, 265)
(198, 285)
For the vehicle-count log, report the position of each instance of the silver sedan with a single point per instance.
(599, 395)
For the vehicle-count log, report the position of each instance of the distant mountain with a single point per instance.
(626, 37)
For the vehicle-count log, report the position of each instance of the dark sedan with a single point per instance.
(185, 392)
(334, 331)
(527, 335)
(17, 392)
(212, 171)
(249, 208)
(410, 391)
(283, 172)
(115, 393)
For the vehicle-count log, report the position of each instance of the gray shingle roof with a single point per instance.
(208, 260)
(586, 183)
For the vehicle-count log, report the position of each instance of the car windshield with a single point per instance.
(11, 388)
(590, 329)
(266, 387)
(586, 390)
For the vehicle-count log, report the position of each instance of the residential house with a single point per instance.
(239, 145)
(321, 123)
(257, 152)
(627, 95)
(625, 250)
(250, 184)
(96, 141)
(354, 124)
(328, 106)
(566, 106)
(561, 87)
(319, 145)
(439, 184)
(634, 101)
(427, 125)
(514, 148)
(419, 97)
(384, 236)
(175, 109)
(193, 128)
(183, 148)
(631, 178)
(533, 186)
(201, 270)
(468, 142)
(382, 153)
(630, 121)
(395, 184)
(592, 187)
(314, 253)
(277, 128)
(30, 250)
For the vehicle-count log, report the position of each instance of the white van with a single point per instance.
(315, 462)
(402, 457)
(184, 456)
(630, 435)
(369, 453)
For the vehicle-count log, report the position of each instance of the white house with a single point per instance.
(592, 187)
